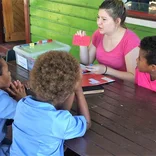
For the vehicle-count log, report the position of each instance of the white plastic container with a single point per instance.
(26, 54)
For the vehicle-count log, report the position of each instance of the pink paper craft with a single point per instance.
(81, 40)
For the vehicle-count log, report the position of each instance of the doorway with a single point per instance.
(12, 24)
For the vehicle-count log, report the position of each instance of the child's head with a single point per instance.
(5, 78)
(146, 61)
(54, 76)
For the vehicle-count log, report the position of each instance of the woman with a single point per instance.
(113, 45)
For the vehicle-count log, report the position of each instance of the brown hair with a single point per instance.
(115, 9)
(54, 76)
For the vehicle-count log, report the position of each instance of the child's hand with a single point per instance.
(17, 90)
(78, 88)
(82, 103)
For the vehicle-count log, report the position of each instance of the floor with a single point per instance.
(4, 47)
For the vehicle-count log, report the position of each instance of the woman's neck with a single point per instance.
(115, 34)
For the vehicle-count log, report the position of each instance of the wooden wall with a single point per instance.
(60, 19)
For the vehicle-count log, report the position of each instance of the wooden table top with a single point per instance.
(123, 120)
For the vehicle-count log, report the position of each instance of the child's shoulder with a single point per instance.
(3, 93)
(5, 98)
(129, 34)
(8, 105)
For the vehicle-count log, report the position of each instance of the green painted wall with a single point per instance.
(60, 19)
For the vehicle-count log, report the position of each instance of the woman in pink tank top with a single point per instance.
(113, 45)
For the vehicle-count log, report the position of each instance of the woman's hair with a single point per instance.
(115, 9)
(148, 45)
(54, 76)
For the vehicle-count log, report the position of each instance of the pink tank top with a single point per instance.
(144, 80)
(116, 57)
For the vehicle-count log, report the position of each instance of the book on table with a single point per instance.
(92, 83)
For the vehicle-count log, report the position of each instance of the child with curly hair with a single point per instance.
(146, 64)
(7, 103)
(43, 121)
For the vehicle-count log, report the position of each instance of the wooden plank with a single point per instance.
(50, 25)
(84, 147)
(118, 131)
(75, 22)
(27, 21)
(120, 140)
(1, 24)
(106, 144)
(87, 3)
(51, 34)
(66, 9)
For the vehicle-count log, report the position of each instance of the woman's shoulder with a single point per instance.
(129, 33)
(131, 38)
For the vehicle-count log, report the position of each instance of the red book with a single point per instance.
(92, 83)
(90, 79)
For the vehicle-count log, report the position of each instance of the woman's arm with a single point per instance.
(130, 60)
(87, 54)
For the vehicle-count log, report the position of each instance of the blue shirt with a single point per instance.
(40, 130)
(7, 111)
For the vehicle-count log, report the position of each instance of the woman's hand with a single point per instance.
(81, 33)
(97, 69)
(17, 90)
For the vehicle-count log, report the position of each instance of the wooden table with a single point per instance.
(123, 120)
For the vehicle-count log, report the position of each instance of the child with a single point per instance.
(7, 103)
(146, 64)
(42, 122)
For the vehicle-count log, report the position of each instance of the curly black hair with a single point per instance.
(148, 45)
(54, 76)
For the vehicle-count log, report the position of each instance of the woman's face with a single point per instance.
(105, 22)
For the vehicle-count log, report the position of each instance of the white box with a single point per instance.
(26, 54)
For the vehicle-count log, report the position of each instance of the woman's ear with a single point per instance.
(118, 21)
(153, 68)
